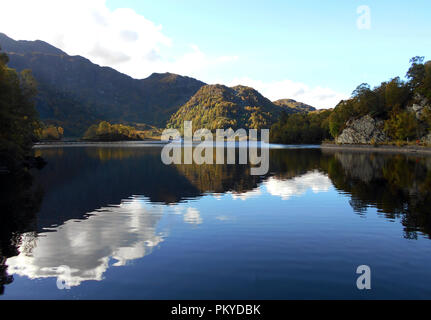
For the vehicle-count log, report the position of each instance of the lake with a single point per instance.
(113, 222)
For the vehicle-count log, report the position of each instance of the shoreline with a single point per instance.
(77, 143)
(323, 146)
(378, 148)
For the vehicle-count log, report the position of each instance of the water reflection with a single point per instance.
(247, 195)
(399, 186)
(110, 236)
(91, 217)
(19, 203)
(297, 186)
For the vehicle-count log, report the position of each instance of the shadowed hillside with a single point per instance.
(75, 93)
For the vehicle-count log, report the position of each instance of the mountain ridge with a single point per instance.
(72, 87)
(75, 93)
(17, 46)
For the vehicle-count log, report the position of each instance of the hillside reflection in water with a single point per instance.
(108, 207)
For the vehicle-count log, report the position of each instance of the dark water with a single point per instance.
(128, 226)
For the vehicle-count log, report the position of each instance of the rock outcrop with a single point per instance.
(365, 130)
(361, 166)
(426, 139)
(418, 108)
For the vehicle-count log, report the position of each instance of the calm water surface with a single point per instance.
(129, 227)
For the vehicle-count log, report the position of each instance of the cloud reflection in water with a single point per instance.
(125, 232)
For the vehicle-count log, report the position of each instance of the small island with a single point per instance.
(104, 131)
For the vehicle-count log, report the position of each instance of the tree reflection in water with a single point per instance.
(82, 183)
(19, 203)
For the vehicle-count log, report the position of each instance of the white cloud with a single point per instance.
(247, 195)
(87, 246)
(224, 218)
(120, 38)
(315, 181)
(196, 63)
(130, 43)
(317, 97)
(192, 216)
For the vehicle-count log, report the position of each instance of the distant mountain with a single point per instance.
(294, 105)
(74, 92)
(23, 46)
(218, 106)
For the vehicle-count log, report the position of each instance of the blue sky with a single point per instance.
(308, 50)
(316, 42)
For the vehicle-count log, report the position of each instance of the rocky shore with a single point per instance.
(376, 148)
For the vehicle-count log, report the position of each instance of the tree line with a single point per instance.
(391, 101)
(302, 128)
(105, 131)
(19, 120)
